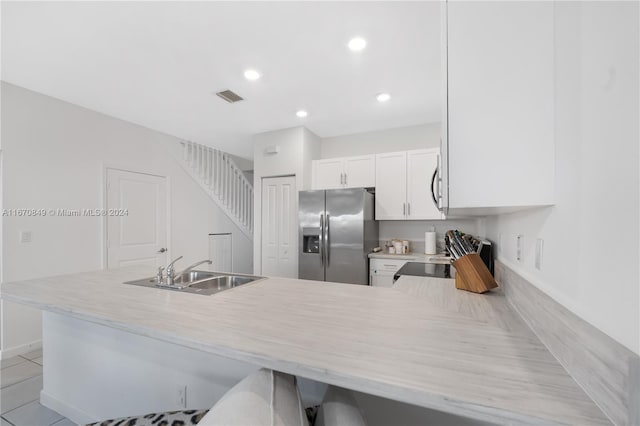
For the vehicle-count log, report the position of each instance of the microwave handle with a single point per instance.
(433, 192)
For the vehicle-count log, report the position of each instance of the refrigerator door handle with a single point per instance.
(326, 240)
(321, 239)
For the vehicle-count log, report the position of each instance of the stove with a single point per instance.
(418, 269)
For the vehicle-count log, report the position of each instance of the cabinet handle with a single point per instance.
(404, 209)
(341, 178)
(345, 179)
(408, 209)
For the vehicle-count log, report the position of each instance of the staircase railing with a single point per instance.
(225, 182)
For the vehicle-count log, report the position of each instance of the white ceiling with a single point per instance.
(158, 64)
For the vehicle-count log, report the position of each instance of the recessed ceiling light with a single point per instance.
(356, 44)
(383, 97)
(251, 75)
(301, 113)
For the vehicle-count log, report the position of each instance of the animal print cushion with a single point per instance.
(171, 418)
(176, 418)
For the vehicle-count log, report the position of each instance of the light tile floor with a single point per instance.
(21, 380)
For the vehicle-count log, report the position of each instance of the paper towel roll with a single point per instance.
(430, 242)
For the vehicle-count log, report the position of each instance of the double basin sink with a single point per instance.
(200, 282)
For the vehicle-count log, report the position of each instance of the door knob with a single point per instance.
(162, 250)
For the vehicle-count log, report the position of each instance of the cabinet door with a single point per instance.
(360, 172)
(327, 174)
(381, 279)
(500, 103)
(391, 186)
(421, 165)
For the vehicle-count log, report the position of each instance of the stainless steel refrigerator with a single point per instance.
(337, 232)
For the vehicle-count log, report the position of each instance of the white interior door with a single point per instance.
(279, 227)
(137, 223)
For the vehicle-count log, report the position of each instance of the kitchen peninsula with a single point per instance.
(424, 348)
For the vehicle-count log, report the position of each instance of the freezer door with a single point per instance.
(311, 216)
(346, 257)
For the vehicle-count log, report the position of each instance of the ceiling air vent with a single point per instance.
(230, 96)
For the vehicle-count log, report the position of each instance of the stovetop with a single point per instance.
(419, 269)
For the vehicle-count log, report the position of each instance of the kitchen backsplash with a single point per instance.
(413, 231)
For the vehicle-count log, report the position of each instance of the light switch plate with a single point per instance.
(519, 243)
(181, 396)
(25, 236)
(539, 247)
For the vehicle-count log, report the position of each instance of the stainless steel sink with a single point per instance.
(222, 283)
(200, 282)
(194, 276)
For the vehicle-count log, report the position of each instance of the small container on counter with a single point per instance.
(398, 246)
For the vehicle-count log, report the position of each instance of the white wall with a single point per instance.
(311, 147)
(591, 235)
(413, 230)
(389, 140)
(297, 147)
(54, 154)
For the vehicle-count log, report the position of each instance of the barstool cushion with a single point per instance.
(182, 418)
(264, 398)
(339, 408)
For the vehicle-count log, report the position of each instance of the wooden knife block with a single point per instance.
(472, 274)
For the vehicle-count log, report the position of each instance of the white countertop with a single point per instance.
(422, 342)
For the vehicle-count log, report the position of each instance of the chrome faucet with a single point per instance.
(189, 268)
(171, 273)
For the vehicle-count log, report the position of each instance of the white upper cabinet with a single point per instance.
(403, 185)
(391, 186)
(327, 174)
(346, 172)
(498, 135)
(360, 172)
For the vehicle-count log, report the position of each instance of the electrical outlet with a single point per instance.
(181, 396)
(25, 236)
(539, 246)
(519, 244)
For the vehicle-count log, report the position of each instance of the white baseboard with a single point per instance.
(20, 350)
(69, 411)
